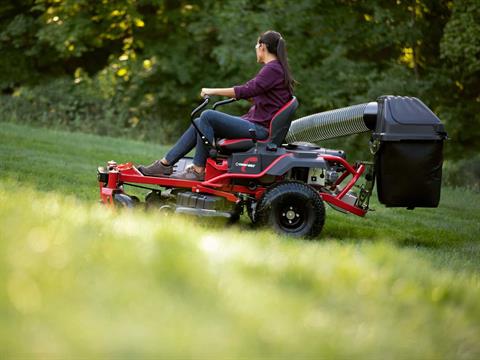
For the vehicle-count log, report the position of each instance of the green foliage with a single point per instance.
(80, 280)
(464, 173)
(461, 41)
(461, 49)
(86, 106)
(15, 67)
(152, 58)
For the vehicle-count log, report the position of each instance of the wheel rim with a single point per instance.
(292, 214)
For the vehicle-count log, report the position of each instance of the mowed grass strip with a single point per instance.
(79, 279)
(63, 161)
(66, 163)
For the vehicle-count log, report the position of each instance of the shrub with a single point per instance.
(463, 173)
(64, 104)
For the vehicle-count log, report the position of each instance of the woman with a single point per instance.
(269, 90)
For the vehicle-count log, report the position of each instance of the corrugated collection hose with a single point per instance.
(328, 125)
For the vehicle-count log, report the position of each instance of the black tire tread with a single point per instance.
(123, 200)
(262, 215)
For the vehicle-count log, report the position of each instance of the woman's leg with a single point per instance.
(220, 125)
(212, 124)
(162, 167)
(183, 146)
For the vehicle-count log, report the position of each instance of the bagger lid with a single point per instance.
(406, 118)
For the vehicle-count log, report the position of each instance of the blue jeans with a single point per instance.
(212, 124)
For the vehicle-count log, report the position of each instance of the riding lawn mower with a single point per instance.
(284, 181)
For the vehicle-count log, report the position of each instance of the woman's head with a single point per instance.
(272, 42)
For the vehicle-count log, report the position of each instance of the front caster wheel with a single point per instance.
(125, 201)
(292, 208)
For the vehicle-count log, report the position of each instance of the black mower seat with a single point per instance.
(278, 131)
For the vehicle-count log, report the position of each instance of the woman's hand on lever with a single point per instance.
(220, 92)
(205, 92)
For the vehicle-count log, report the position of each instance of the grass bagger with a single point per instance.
(284, 181)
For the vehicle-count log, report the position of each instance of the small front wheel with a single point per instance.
(292, 208)
(125, 201)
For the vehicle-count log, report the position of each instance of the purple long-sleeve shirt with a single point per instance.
(268, 91)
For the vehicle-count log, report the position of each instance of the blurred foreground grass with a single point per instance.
(78, 280)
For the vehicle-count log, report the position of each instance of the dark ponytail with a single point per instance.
(276, 45)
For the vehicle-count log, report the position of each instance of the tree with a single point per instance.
(150, 58)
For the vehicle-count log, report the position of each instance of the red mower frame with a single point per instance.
(218, 182)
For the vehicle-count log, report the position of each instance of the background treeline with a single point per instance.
(136, 68)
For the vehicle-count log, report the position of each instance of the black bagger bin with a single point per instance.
(408, 161)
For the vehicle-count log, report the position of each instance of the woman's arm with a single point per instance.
(220, 92)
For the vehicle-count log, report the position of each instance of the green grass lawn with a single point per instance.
(80, 280)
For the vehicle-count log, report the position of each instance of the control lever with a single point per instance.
(206, 99)
(253, 135)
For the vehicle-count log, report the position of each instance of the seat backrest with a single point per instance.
(281, 122)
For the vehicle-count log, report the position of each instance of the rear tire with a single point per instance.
(292, 208)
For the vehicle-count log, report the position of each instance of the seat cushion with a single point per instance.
(231, 145)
